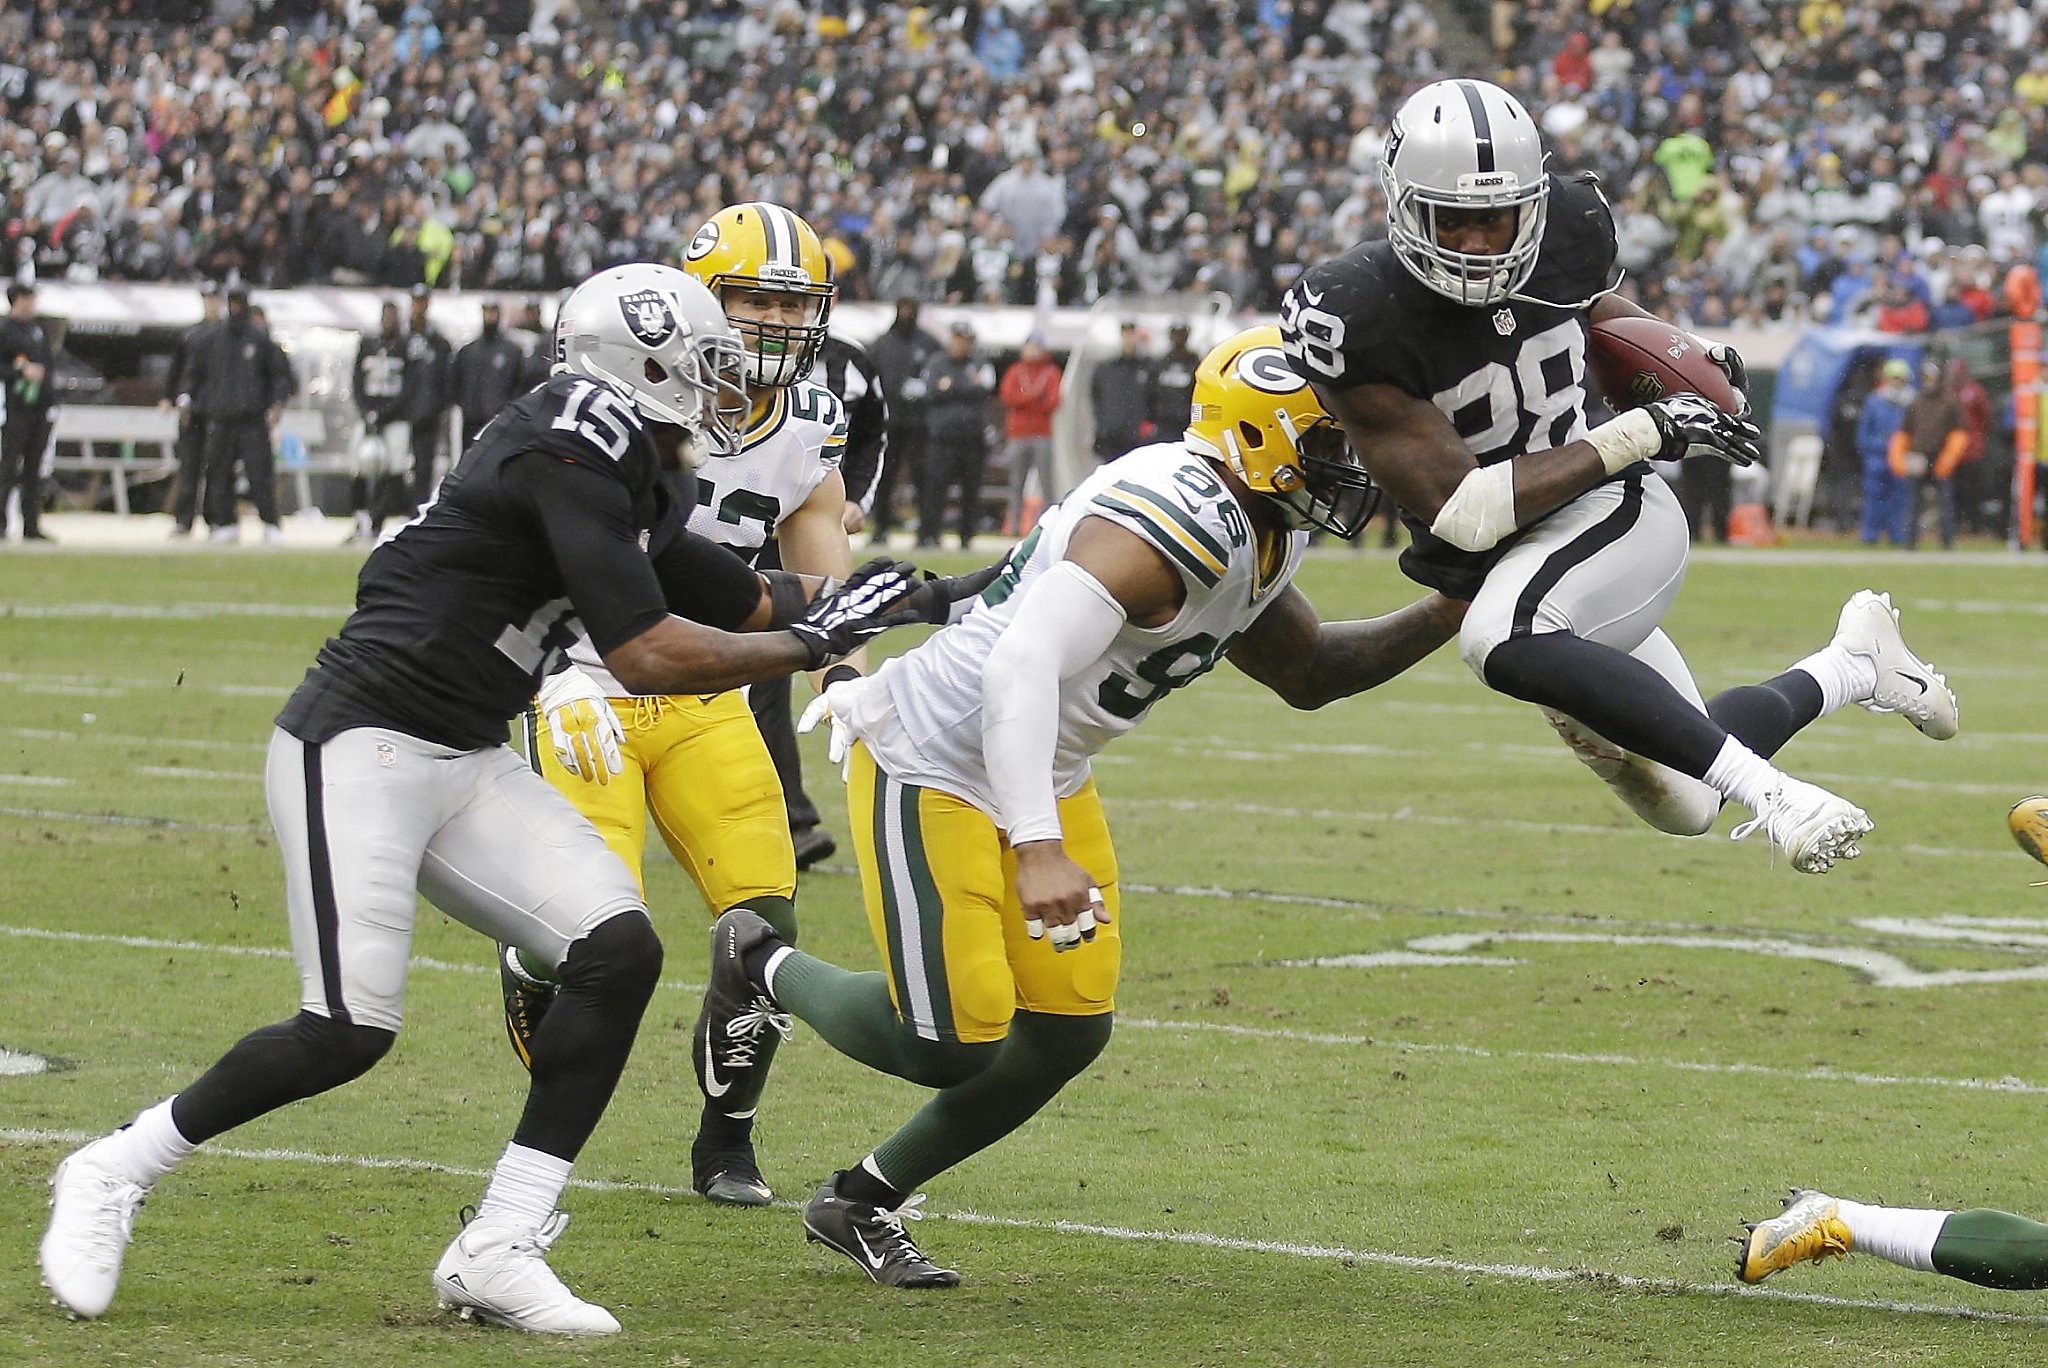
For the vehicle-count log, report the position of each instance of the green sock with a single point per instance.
(1031, 1065)
(855, 1016)
(1993, 1249)
(778, 912)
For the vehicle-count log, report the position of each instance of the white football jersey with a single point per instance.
(920, 714)
(742, 499)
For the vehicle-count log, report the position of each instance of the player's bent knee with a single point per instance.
(1476, 643)
(336, 1052)
(621, 958)
(1688, 810)
(1066, 1044)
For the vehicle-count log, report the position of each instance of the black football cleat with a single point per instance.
(873, 1237)
(727, 1173)
(813, 844)
(527, 1000)
(736, 1013)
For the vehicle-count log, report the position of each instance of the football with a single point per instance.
(1636, 361)
(2029, 822)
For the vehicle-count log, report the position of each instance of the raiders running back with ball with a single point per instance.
(1454, 354)
(388, 777)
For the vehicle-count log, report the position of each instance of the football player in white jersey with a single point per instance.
(986, 865)
(697, 764)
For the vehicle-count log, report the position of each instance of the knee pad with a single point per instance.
(621, 958)
(335, 1052)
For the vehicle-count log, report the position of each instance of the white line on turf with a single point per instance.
(1198, 1239)
(1278, 1033)
(174, 612)
(18, 1064)
(216, 776)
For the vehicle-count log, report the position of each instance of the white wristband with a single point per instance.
(1621, 442)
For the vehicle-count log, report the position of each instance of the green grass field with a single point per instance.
(1522, 1132)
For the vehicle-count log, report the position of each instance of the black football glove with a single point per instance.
(938, 598)
(1692, 426)
(873, 599)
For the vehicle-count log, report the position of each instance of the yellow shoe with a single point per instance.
(1807, 1232)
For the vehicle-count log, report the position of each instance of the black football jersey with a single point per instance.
(1510, 377)
(542, 526)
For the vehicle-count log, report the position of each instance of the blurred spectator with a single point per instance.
(26, 364)
(1930, 444)
(1030, 391)
(190, 447)
(237, 382)
(958, 386)
(1120, 391)
(901, 354)
(427, 393)
(485, 374)
(1975, 405)
(382, 452)
(1883, 412)
(1173, 383)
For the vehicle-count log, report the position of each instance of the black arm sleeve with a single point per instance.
(587, 519)
(706, 582)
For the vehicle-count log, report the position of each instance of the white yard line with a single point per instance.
(1197, 1239)
(1339, 1039)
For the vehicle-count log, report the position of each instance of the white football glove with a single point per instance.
(831, 706)
(582, 727)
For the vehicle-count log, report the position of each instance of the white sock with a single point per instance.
(1844, 677)
(1900, 1235)
(1741, 775)
(526, 1187)
(148, 1147)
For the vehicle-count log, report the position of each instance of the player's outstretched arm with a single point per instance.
(1310, 663)
(1064, 624)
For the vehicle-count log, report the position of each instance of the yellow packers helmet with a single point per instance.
(2029, 823)
(764, 247)
(1255, 413)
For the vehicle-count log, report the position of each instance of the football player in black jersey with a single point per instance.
(1454, 354)
(389, 776)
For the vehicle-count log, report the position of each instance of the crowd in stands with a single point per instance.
(1832, 160)
(1875, 162)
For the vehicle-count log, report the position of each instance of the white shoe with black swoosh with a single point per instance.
(873, 1237)
(735, 1014)
(1906, 684)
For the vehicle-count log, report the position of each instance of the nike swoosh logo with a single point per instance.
(712, 1083)
(1916, 681)
(1312, 296)
(874, 1260)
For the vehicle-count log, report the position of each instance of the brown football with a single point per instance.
(1636, 361)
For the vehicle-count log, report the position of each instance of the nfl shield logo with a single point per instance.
(387, 754)
(648, 316)
(1504, 322)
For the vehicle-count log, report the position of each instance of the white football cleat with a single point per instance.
(497, 1271)
(1812, 826)
(92, 1216)
(1906, 684)
(1673, 803)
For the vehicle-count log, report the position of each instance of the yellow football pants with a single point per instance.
(940, 884)
(699, 768)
